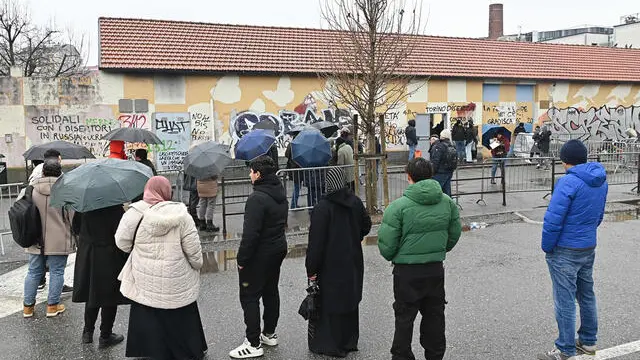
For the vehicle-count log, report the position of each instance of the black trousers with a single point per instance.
(193, 203)
(419, 288)
(108, 317)
(259, 280)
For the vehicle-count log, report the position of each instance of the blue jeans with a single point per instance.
(461, 149)
(572, 278)
(494, 168)
(444, 179)
(412, 152)
(57, 263)
(295, 195)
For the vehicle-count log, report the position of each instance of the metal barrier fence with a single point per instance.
(8, 195)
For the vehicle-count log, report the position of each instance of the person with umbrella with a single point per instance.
(499, 150)
(164, 321)
(344, 156)
(205, 162)
(207, 195)
(57, 244)
(262, 249)
(294, 175)
(97, 191)
(311, 149)
(334, 259)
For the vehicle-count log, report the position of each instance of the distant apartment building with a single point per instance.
(627, 34)
(585, 35)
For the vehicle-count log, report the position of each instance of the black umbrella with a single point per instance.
(492, 133)
(296, 130)
(206, 160)
(266, 125)
(326, 127)
(67, 151)
(133, 135)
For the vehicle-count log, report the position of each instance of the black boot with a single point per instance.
(202, 225)
(87, 336)
(211, 227)
(112, 339)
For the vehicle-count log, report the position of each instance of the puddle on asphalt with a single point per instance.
(224, 260)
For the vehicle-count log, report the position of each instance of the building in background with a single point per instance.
(190, 82)
(627, 34)
(585, 35)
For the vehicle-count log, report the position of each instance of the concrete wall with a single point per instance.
(34, 111)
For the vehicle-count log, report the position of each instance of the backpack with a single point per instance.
(24, 219)
(449, 160)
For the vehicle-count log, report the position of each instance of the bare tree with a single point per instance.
(369, 73)
(36, 50)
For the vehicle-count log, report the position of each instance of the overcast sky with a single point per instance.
(466, 18)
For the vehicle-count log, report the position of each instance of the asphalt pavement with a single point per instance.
(498, 293)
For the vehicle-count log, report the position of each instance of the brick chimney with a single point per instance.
(496, 22)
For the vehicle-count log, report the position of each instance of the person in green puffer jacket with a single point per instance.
(416, 233)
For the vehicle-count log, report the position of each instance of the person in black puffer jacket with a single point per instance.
(262, 249)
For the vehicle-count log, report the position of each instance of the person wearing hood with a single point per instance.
(569, 239)
(164, 321)
(344, 157)
(416, 233)
(334, 259)
(262, 249)
(57, 244)
(116, 150)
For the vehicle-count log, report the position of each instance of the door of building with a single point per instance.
(423, 132)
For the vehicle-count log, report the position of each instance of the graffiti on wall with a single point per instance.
(507, 113)
(305, 113)
(604, 123)
(80, 126)
(133, 120)
(174, 129)
(200, 127)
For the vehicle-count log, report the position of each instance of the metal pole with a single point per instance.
(504, 186)
(638, 179)
(224, 207)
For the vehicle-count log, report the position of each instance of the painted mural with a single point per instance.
(82, 110)
(592, 112)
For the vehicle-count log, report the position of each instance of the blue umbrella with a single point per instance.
(310, 149)
(254, 144)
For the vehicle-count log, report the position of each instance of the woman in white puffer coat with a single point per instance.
(161, 276)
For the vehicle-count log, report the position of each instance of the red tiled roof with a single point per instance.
(154, 45)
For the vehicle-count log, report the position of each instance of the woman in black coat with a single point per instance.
(98, 264)
(334, 259)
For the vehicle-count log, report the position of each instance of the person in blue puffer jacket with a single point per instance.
(569, 237)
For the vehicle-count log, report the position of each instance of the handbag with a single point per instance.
(310, 307)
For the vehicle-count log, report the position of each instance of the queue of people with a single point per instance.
(150, 257)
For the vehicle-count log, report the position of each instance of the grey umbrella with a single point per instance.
(206, 160)
(133, 135)
(100, 184)
(67, 151)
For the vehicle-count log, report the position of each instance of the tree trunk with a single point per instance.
(383, 152)
(371, 185)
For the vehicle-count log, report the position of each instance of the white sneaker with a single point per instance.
(246, 351)
(269, 340)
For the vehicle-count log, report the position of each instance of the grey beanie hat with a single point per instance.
(335, 180)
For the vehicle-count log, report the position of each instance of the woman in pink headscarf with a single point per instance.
(161, 276)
